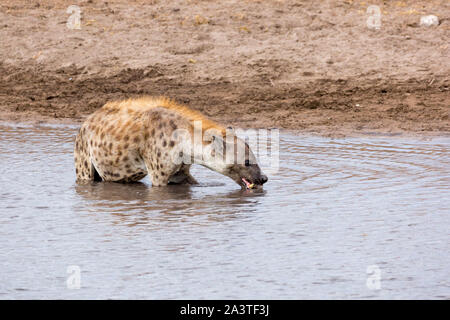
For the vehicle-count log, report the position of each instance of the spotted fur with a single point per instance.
(126, 140)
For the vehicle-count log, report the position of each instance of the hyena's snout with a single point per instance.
(253, 181)
(263, 179)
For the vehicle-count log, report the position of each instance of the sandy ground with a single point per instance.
(312, 66)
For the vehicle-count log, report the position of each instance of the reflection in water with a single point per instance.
(334, 208)
(139, 203)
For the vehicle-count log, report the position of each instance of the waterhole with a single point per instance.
(341, 218)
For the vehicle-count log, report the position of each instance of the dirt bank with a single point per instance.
(309, 65)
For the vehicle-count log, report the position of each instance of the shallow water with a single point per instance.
(335, 208)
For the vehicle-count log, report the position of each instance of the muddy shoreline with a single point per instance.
(309, 67)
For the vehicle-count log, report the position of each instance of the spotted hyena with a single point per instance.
(126, 140)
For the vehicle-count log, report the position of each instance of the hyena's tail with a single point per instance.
(84, 168)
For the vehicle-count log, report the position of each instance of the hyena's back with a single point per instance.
(123, 141)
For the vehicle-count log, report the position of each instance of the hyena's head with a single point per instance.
(232, 157)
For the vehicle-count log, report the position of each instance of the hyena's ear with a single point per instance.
(217, 143)
(215, 136)
(230, 131)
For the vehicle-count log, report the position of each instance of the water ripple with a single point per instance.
(335, 207)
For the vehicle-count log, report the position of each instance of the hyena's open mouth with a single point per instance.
(248, 184)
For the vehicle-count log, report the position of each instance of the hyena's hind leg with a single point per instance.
(84, 169)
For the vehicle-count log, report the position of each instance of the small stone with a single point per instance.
(428, 21)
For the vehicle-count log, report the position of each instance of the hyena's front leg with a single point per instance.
(162, 171)
(157, 172)
(182, 176)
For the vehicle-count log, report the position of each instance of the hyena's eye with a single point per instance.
(247, 163)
